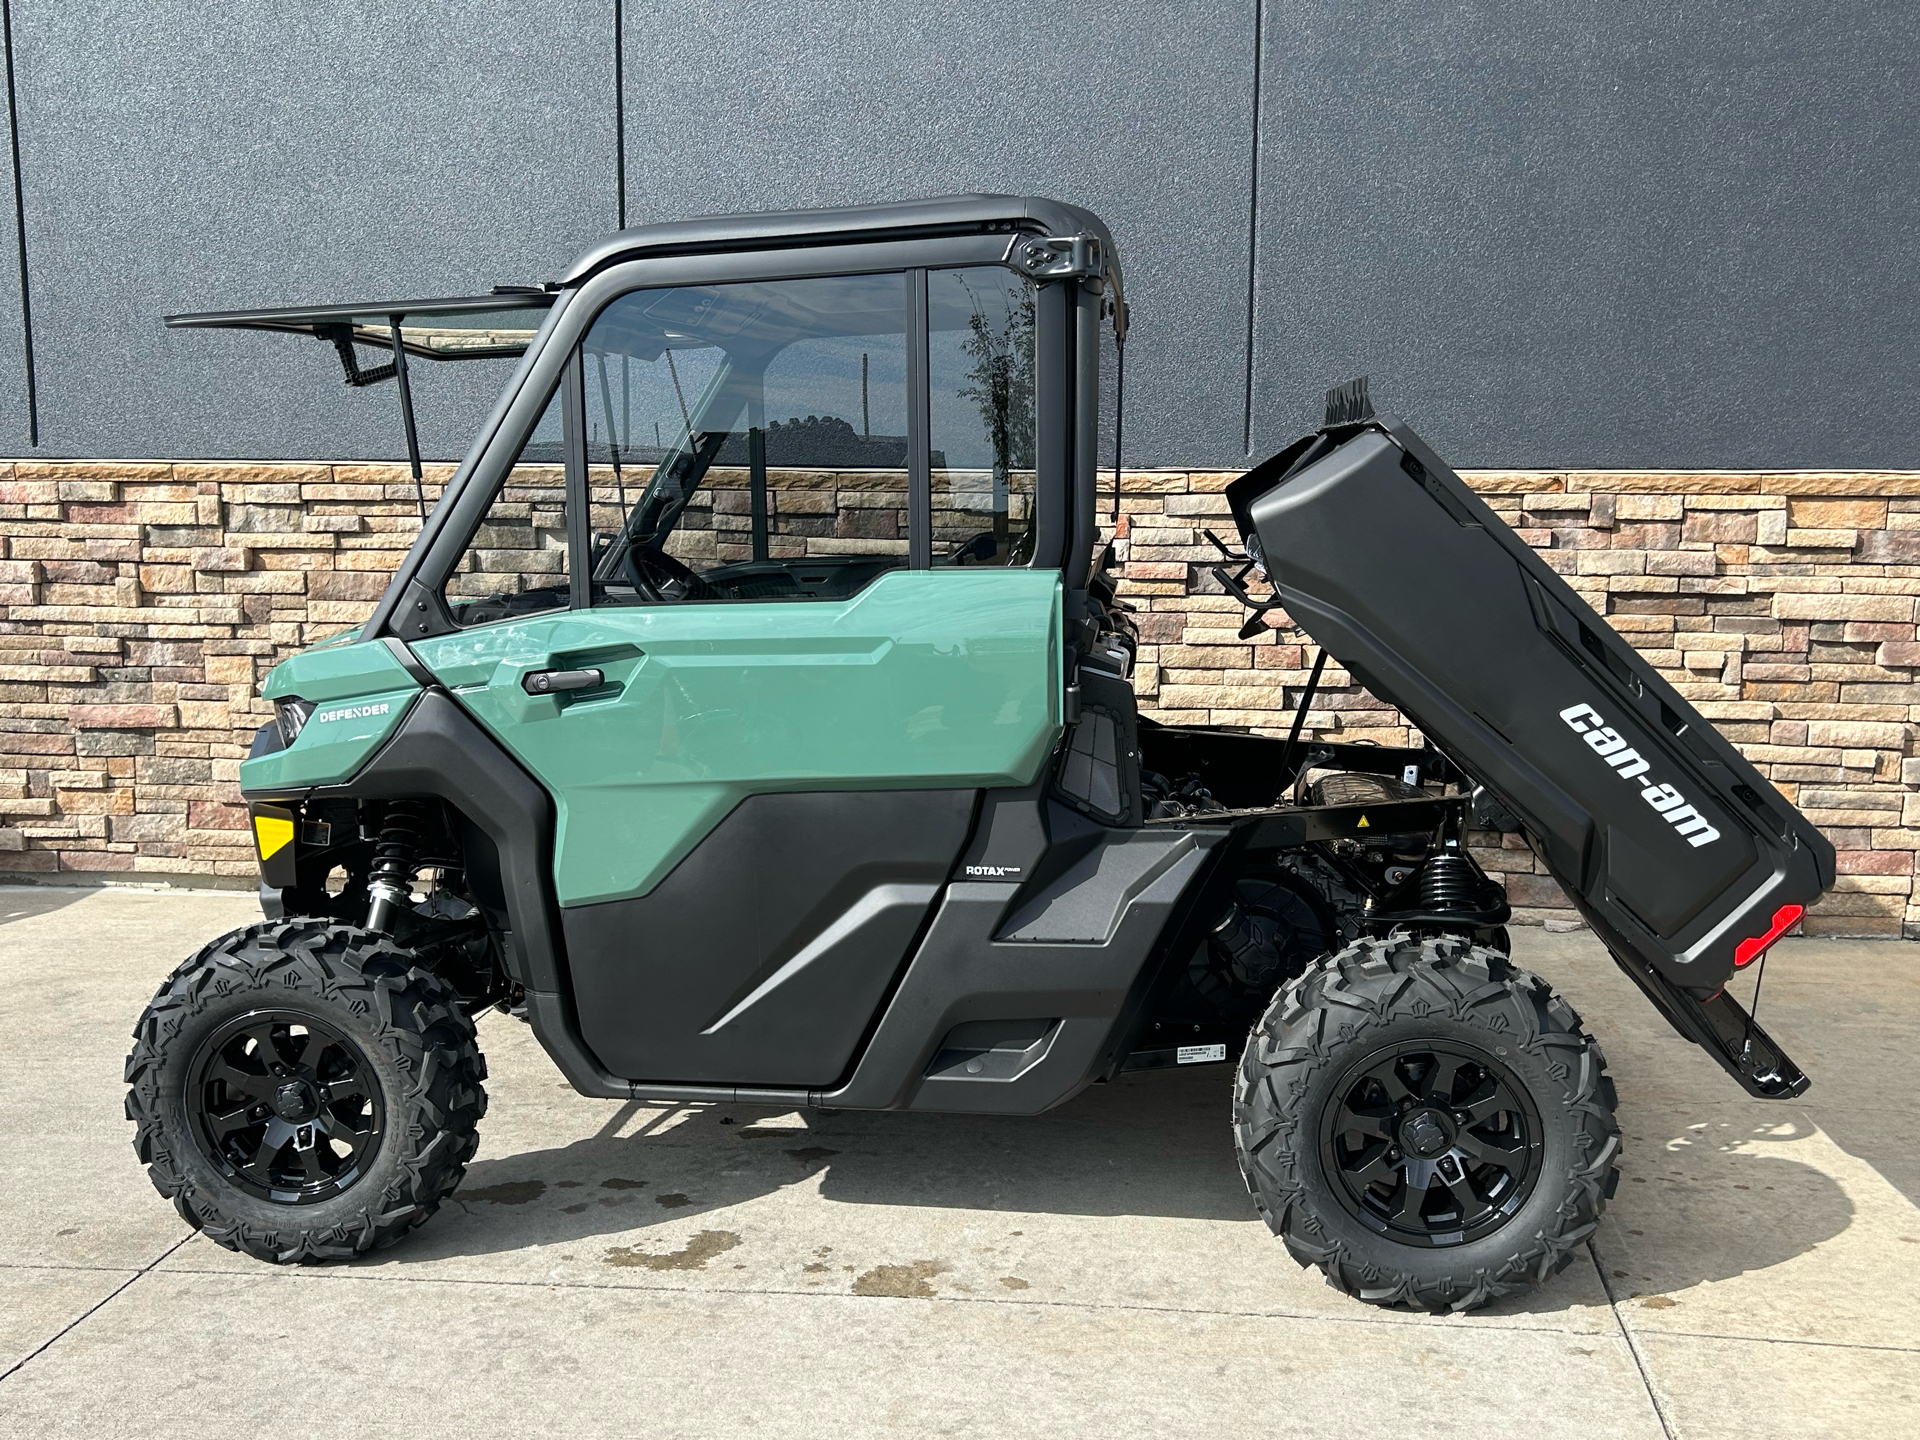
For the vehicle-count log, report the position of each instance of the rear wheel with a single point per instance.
(1427, 1123)
(304, 1091)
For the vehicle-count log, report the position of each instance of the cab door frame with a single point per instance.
(412, 608)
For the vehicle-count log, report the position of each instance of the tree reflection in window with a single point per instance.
(981, 409)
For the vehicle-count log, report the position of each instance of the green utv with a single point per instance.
(753, 717)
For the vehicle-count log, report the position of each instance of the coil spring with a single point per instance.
(399, 842)
(1447, 883)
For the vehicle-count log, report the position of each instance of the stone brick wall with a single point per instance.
(140, 607)
(142, 603)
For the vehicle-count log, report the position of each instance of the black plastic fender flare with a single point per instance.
(440, 751)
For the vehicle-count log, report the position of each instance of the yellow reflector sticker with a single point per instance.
(1363, 824)
(272, 833)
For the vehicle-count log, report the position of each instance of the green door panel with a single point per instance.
(925, 679)
(359, 692)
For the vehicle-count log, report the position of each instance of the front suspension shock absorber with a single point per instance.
(390, 882)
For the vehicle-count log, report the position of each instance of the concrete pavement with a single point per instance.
(694, 1270)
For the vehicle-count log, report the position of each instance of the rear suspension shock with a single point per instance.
(390, 882)
(1447, 882)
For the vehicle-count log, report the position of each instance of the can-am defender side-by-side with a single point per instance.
(753, 716)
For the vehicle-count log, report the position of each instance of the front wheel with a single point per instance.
(304, 1091)
(1427, 1123)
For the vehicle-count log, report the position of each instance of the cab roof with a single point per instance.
(900, 220)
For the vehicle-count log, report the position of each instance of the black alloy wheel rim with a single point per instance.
(1431, 1143)
(286, 1107)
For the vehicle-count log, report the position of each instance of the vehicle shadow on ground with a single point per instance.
(1155, 1145)
(1150, 1145)
(1719, 1198)
(25, 902)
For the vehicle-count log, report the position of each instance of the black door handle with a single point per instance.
(552, 682)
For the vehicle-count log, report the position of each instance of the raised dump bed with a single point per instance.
(1675, 849)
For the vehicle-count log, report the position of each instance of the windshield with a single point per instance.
(467, 327)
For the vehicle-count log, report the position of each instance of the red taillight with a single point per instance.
(1784, 919)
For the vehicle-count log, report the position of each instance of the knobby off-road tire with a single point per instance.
(314, 1024)
(1338, 1088)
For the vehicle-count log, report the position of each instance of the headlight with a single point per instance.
(290, 715)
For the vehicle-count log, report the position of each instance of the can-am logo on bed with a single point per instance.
(1628, 764)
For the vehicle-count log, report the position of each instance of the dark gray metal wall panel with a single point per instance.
(1142, 112)
(184, 156)
(1638, 234)
(13, 361)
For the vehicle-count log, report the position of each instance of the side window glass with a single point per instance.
(515, 562)
(748, 441)
(980, 413)
(837, 436)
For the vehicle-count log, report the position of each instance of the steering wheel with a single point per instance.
(982, 549)
(658, 576)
